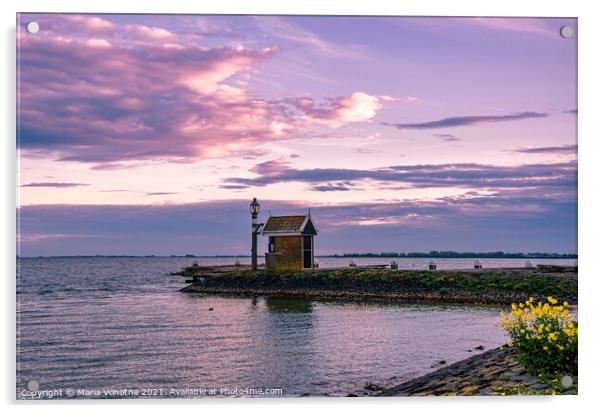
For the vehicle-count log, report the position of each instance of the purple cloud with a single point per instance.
(233, 187)
(53, 185)
(500, 221)
(160, 193)
(447, 137)
(333, 187)
(468, 175)
(468, 120)
(566, 149)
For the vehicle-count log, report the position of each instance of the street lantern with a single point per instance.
(254, 209)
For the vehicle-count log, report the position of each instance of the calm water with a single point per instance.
(121, 324)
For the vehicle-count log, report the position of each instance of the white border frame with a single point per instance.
(590, 67)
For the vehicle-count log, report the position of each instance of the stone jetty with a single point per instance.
(483, 286)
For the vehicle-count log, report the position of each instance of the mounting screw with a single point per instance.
(32, 27)
(566, 31)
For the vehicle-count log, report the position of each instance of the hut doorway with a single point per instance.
(308, 251)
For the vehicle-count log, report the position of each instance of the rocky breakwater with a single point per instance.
(486, 286)
(494, 372)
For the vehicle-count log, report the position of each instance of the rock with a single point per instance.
(373, 387)
(539, 386)
(518, 370)
(498, 384)
(442, 362)
(479, 347)
(352, 395)
(470, 390)
(525, 379)
(507, 376)
(493, 371)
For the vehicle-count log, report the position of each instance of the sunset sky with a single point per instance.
(150, 134)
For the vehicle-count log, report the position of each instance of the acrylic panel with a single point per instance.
(220, 206)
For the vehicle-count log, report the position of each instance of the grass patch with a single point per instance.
(505, 285)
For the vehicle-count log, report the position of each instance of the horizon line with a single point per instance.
(333, 255)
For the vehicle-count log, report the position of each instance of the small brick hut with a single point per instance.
(290, 242)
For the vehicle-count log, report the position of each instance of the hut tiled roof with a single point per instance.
(286, 223)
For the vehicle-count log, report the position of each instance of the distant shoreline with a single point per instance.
(511, 255)
(460, 255)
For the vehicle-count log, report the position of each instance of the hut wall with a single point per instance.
(288, 253)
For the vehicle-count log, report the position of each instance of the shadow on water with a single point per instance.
(288, 305)
(287, 335)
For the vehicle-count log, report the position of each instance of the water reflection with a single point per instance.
(289, 305)
(286, 336)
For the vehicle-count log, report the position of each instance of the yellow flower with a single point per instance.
(545, 321)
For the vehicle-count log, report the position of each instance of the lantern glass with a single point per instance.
(254, 207)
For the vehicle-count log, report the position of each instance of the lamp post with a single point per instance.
(254, 208)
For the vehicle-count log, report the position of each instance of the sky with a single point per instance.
(150, 134)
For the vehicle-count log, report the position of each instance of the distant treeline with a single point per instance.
(137, 256)
(454, 254)
(432, 254)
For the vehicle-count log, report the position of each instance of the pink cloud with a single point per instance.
(525, 25)
(92, 97)
(90, 22)
(359, 107)
(96, 42)
(152, 32)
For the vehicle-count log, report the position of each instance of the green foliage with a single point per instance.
(545, 336)
(513, 286)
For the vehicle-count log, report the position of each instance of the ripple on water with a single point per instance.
(110, 323)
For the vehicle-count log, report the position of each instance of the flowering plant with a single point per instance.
(544, 336)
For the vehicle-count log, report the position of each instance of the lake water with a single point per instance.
(98, 324)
